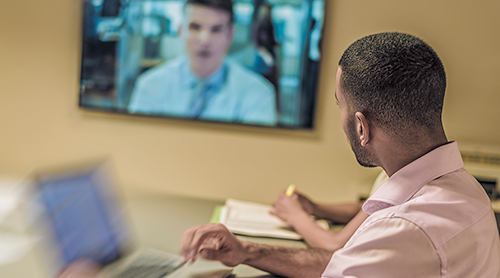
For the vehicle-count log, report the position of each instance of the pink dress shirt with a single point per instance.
(429, 219)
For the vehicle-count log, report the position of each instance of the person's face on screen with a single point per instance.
(208, 34)
(363, 156)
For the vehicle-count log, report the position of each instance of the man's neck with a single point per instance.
(205, 73)
(396, 155)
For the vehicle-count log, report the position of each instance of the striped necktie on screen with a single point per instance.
(202, 94)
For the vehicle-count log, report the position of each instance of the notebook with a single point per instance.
(85, 221)
(253, 219)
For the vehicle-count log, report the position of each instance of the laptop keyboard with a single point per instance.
(150, 265)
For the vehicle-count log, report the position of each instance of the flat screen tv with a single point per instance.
(189, 60)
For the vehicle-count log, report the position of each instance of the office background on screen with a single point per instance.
(279, 40)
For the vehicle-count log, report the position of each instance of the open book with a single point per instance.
(253, 219)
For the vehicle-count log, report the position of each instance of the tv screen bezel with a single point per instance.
(313, 99)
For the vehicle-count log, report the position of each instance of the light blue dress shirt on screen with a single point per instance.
(235, 94)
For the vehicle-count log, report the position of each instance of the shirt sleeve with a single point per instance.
(259, 104)
(135, 104)
(146, 97)
(151, 91)
(385, 248)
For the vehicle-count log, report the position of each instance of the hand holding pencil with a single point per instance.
(288, 206)
(290, 190)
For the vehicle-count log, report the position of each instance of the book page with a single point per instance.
(253, 219)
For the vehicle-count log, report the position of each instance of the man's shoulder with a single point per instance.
(168, 68)
(246, 77)
(442, 208)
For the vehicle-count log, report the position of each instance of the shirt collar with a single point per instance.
(215, 81)
(403, 184)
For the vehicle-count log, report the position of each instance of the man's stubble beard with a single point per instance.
(363, 157)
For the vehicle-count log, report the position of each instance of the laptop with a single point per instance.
(84, 220)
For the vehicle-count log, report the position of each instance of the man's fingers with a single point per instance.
(196, 237)
(209, 254)
(187, 238)
(188, 253)
(272, 211)
(210, 243)
(202, 232)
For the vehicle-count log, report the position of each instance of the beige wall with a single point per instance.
(40, 122)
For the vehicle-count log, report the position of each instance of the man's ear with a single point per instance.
(362, 128)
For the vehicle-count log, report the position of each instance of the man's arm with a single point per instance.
(317, 237)
(337, 212)
(297, 209)
(288, 262)
(216, 242)
(257, 96)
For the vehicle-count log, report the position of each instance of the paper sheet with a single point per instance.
(253, 219)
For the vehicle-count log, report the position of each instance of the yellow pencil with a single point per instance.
(290, 189)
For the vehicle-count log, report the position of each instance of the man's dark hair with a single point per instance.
(396, 80)
(225, 5)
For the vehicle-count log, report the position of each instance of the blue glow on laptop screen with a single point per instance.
(83, 217)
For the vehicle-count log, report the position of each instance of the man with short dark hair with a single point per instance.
(429, 219)
(205, 84)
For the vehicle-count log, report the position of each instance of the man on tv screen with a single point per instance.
(205, 84)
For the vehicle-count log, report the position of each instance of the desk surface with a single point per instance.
(157, 221)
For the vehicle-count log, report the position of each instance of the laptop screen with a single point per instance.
(83, 215)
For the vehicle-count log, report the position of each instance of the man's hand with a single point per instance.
(216, 242)
(292, 209)
(309, 206)
(213, 242)
(81, 269)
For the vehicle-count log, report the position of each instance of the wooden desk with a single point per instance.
(156, 221)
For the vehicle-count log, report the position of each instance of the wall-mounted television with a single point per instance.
(247, 62)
